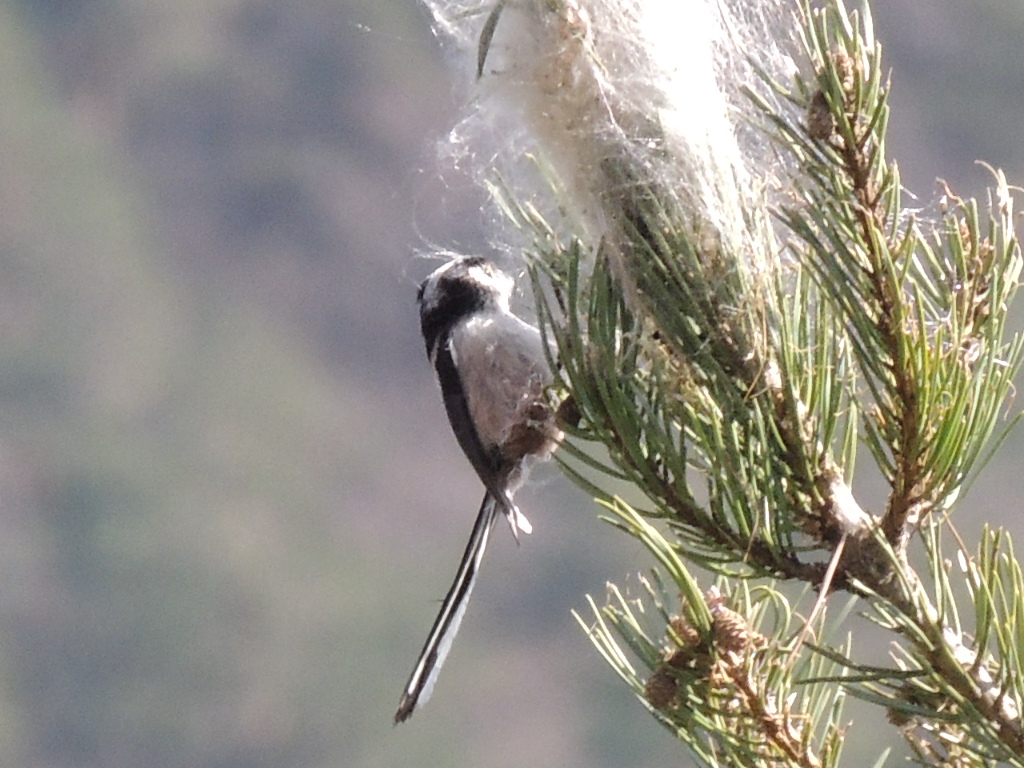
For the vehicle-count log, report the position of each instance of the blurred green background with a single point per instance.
(228, 494)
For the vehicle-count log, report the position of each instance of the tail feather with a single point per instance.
(518, 522)
(516, 519)
(446, 625)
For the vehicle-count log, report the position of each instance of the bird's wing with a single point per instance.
(487, 463)
(446, 625)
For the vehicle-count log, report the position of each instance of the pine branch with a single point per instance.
(735, 303)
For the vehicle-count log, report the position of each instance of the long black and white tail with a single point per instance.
(446, 625)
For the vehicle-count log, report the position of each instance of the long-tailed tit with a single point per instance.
(492, 370)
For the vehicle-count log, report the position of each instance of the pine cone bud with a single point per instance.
(731, 632)
(846, 68)
(685, 633)
(660, 688)
(821, 123)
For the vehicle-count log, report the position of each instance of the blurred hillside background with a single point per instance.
(228, 493)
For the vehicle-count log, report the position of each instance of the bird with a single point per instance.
(493, 372)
